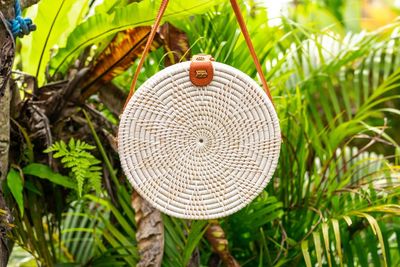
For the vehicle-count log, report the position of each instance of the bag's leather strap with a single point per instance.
(243, 28)
(246, 35)
(146, 50)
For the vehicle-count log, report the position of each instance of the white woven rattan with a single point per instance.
(199, 152)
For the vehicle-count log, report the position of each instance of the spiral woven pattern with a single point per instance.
(199, 152)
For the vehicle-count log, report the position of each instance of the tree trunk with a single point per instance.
(150, 232)
(4, 144)
(6, 60)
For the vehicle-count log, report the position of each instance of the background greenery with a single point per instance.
(333, 67)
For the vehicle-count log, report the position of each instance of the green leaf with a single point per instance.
(325, 234)
(318, 17)
(16, 185)
(352, 15)
(54, 19)
(31, 187)
(377, 231)
(338, 241)
(318, 247)
(99, 26)
(196, 233)
(127, 226)
(361, 250)
(306, 253)
(45, 172)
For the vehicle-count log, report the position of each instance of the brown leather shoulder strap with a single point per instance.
(146, 50)
(246, 35)
(243, 28)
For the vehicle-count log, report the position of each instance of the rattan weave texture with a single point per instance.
(199, 152)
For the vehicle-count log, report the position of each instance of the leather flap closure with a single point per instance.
(201, 70)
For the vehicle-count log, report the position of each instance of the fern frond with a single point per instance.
(83, 165)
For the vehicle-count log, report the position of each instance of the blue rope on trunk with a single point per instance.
(20, 26)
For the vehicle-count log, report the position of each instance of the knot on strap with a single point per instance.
(20, 26)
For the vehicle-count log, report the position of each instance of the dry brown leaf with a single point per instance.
(112, 97)
(126, 47)
(116, 58)
(176, 44)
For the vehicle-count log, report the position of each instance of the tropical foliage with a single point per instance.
(334, 199)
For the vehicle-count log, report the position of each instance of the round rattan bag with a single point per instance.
(199, 152)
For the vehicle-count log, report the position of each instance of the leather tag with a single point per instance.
(201, 70)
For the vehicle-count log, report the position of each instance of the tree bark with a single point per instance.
(4, 145)
(6, 59)
(7, 10)
(4, 132)
(6, 49)
(7, 6)
(150, 232)
(28, 3)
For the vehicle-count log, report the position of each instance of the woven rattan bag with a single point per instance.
(199, 139)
